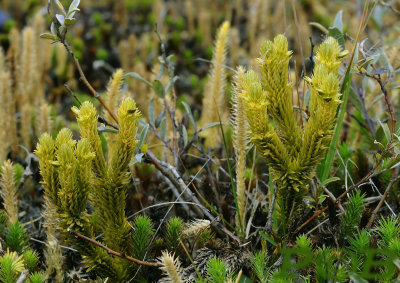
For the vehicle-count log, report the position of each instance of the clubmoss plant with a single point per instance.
(357, 246)
(173, 234)
(352, 216)
(388, 229)
(218, 271)
(214, 96)
(52, 252)
(291, 153)
(240, 142)
(114, 97)
(8, 191)
(195, 228)
(7, 108)
(328, 267)
(259, 266)
(16, 238)
(77, 172)
(171, 267)
(31, 259)
(11, 266)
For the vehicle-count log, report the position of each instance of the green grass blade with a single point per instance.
(345, 90)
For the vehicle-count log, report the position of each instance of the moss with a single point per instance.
(101, 54)
(8, 25)
(291, 153)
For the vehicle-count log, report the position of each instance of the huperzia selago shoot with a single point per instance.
(292, 153)
(75, 173)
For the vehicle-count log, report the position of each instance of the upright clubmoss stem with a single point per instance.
(292, 154)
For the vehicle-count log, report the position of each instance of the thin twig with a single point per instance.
(330, 195)
(391, 7)
(171, 112)
(63, 247)
(161, 204)
(23, 277)
(177, 180)
(161, 222)
(382, 86)
(61, 38)
(110, 251)
(365, 178)
(100, 119)
(374, 213)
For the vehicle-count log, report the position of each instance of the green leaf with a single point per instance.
(69, 21)
(59, 6)
(338, 35)
(381, 146)
(49, 36)
(386, 131)
(356, 101)
(189, 112)
(320, 27)
(142, 138)
(330, 180)
(367, 61)
(72, 13)
(269, 239)
(107, 130)
(159, 118)
(210, 126)
(138, 77)
(338, 22)
(137, 158)
(53, 29)
(73, 7)
(160, 71)
(61, 19)
(163, 128)
(150, 109)
(171, 83)
(158, 88)
(345, 90)
(184, 135)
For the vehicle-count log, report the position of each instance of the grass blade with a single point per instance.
(332, 148)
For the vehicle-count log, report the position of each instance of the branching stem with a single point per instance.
(62, 39)
(110, 251)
